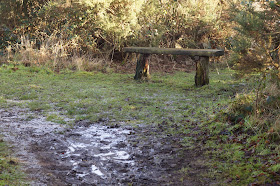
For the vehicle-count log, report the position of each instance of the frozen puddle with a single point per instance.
(91, 149)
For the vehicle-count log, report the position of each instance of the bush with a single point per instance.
(259, 110)
(255, 48)
(256, 43)
(101, 28)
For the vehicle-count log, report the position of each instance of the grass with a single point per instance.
(112, 97)
(244, 146)
(10, 173)
(168, 100)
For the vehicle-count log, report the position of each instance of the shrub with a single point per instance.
(256, 43)
(255, 48)
(99, 28)
(259, 110)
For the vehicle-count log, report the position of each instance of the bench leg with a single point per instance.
(142, 67)
(202, 72)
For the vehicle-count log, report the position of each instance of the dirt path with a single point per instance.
(95, 154)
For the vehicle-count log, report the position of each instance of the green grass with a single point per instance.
(10, 173)
(114, 97)
(169, 100)
(241, 154)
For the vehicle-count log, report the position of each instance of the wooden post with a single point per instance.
(202, 72)
(142, 68)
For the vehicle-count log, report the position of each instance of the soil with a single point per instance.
(98, 153)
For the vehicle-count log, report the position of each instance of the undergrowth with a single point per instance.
(90, 34)
(244, 139)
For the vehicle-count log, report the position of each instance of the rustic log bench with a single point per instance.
(201, 57)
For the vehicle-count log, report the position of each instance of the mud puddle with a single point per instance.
(93, 153)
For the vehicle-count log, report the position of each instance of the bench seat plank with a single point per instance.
(175, 51)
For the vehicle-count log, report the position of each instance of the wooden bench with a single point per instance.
(201, 57)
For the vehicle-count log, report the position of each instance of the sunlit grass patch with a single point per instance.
(117, 97)
(3, 102)
(38, 106)
(56, 118)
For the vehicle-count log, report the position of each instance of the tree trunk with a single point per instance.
(202, 72)
(142, 68)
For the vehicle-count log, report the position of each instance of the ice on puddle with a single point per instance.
(104, 154)
(71, 149)
(99, 142)
(121, 155)
(96, 171)
(82, 175)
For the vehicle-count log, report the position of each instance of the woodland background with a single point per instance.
(90, 34)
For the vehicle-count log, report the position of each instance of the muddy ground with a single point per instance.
(98, 153)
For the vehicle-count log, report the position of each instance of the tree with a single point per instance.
(257, 42)
(256, 48)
